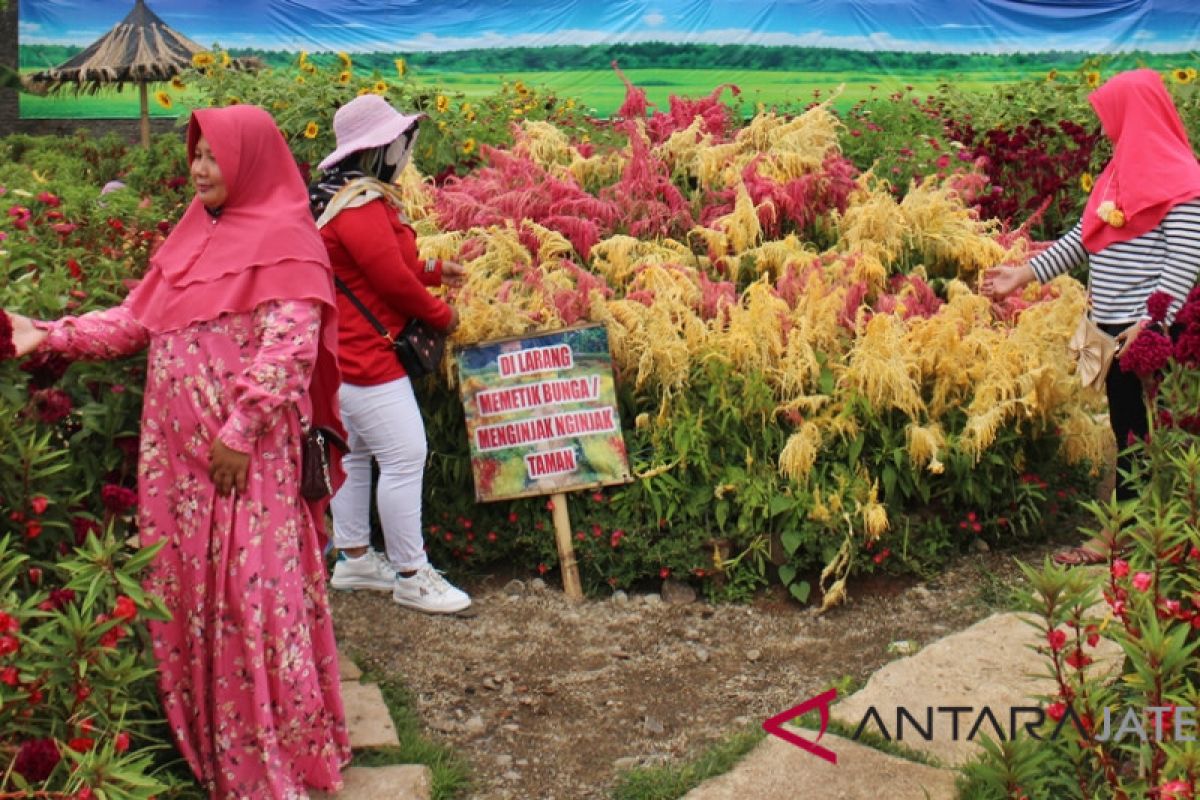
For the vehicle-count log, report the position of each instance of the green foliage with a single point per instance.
(670, 782)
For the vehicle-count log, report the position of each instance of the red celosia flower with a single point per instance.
(49, 199)
(51, 405)
(1148, 354)
(117, 499)
(36, 759)
(1158, 304)
(44, 368)
(7, 348)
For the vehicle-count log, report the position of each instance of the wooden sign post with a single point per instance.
(541, 416)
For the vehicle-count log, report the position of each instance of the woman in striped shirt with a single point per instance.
(1140, 234)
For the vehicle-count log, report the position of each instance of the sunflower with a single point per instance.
(201, 60)
(344, 77)
(1052, 75)
(225, 59)
(311, 130)
(363, 90)
(401, 67)
(380, 87)
(1182, 76)
(468, 146)
(1092, 78)
(1085, 181)
(178, 83)
(163, 99)
(309, 67)
(233, 100)
(345, 59)
(442, 103)
(1191, 71)
(303, 59)
(300, 79)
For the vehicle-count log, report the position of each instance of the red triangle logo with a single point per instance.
(823, 701)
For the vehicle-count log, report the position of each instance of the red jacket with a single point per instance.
(375, 254)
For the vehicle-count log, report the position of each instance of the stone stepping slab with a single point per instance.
(991, 664)
(404, 782)
(776, 769)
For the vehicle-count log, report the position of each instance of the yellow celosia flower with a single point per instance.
(800, 452)
(163, 99)
(344, 77)
(201, 60)
(345, 59)
(1086, 181)
(442, 103)
(311, 130)
(875, 518)
(401, 67)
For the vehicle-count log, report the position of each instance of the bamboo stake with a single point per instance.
(572, 588)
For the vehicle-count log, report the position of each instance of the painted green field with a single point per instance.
(601, 91)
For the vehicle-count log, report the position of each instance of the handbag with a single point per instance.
(419, 346)
(316, 482)
(1093, 350)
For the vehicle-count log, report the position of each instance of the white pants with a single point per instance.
(383, 422)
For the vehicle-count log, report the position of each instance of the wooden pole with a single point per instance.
(572, 588)
(144, 98)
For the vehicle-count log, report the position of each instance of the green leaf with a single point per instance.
(791, 540)
(787, 574)
(800, 591)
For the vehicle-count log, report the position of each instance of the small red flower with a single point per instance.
(549, 505)
(9, 623)
(125, 608)
(36, 759)
(121, 742)
(542, 569)
(9, 645)
(1120, 568)
(1078, 660)
(1142, 580)
(117, 499)
(664, 573)
(39, 504)
(1056, 711)
(33, 529)
(9, 676)
(1057, 639)
(1175, 790)
(81, 744)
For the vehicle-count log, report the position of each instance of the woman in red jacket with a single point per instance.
(374, 252)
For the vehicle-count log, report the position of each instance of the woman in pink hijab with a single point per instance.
(1139, 235)
(237, 310)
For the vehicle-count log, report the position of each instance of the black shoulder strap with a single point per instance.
(375, 323)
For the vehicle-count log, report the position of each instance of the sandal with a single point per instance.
(1079, 557)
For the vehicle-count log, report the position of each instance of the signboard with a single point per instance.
(541, 414)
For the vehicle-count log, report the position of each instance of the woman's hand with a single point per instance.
(228, 468)
(26, 336)
(1000, 282)
(453, 321)
(453, 273)
(1127, 336)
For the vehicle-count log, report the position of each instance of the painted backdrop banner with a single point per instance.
(767, 47)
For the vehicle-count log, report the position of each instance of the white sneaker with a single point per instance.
(428, 591)
(370, 571)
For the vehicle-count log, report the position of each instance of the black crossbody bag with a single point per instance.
(419, 346)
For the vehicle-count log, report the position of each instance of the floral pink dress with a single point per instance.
(248, 666)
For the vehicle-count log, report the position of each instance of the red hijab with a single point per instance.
(1152, 169)
(263, 246)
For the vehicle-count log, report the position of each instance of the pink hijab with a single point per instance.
(1152, 169)
(264, 246)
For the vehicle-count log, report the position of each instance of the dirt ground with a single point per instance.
(550, 700)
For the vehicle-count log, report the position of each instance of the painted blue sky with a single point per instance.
(421, 25)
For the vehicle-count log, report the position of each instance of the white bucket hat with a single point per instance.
(365, 122)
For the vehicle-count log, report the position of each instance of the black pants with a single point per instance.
(1126, 414)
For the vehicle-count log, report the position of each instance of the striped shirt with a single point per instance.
(1123, 275)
